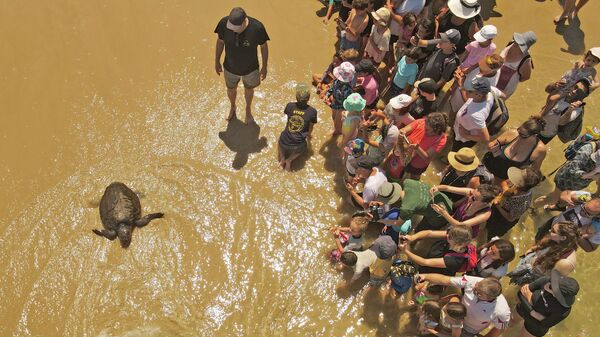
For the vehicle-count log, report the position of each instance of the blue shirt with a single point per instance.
(406, 73)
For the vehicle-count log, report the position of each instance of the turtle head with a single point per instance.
(124, 234)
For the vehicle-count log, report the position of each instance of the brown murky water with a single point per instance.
(101, 91)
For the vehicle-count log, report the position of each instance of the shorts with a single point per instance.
(250, 81)
(531, 324)
(457, 145)
(346, 44)
(289, 150)
(395, 90)
(414, 170)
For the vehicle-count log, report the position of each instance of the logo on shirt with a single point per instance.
(295, 124)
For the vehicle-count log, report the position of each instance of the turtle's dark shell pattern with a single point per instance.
(119, 204)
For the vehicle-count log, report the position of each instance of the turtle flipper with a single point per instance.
(146, 219)
(107, 233)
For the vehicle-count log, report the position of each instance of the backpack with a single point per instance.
(470, 255)
(571, 130)
(496, 121)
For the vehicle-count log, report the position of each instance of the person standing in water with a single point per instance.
(240, 35)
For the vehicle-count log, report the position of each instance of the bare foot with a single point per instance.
(288, 166)
(231, 113)
(558, 19)
(282, 164)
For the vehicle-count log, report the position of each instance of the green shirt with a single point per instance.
(417, 200)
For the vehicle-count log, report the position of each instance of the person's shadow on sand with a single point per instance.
(243, 140)
(573, 36)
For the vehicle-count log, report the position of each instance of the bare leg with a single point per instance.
(281, 157)
(549, 199)
(580, 4)
(288, 161)
(231, 94)
(337, 121)
(249, 95)
(568, 8)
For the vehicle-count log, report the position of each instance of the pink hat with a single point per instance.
(344, 72)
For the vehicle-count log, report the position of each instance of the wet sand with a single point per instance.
(95, 92)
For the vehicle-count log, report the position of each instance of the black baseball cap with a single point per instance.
(427, 85)
(564, 288)
(236, 18)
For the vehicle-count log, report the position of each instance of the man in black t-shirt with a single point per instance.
(301, 118)
(240, 35)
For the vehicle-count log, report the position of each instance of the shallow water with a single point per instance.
(102, 91)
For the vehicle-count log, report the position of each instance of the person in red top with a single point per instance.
(428, 136)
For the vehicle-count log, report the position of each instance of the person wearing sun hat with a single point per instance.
(413, 197)
(339, 90)
(517, 65)
(354, 106)
(462, 15)
(545, 302)
(514, 202)
(397, 110)
(240, 35)
(480, 48)
(379, 40)
(464, 171)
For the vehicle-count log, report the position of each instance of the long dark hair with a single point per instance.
(557, 250)
(505, 248)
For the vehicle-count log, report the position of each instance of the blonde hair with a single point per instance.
(360, 222)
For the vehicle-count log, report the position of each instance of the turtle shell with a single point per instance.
(119, 204)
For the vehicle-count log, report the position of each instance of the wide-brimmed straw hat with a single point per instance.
(464, 159)
(464, 9)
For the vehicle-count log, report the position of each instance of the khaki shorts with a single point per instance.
(250, 81)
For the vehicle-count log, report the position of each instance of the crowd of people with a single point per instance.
(415, 80)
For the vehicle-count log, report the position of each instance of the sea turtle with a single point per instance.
(121, 212)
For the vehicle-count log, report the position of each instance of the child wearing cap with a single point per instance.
(480, 48)
(379, 40)
(301, 118)
(340, 89)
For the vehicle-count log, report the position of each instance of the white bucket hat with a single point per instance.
(464, 9)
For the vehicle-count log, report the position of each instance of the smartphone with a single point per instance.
(341, 23)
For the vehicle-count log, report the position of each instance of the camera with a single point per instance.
(376, 212)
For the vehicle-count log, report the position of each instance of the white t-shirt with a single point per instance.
(481, 314)
(472, 115)
(364, 261)
(402, 7)
(372, 184)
